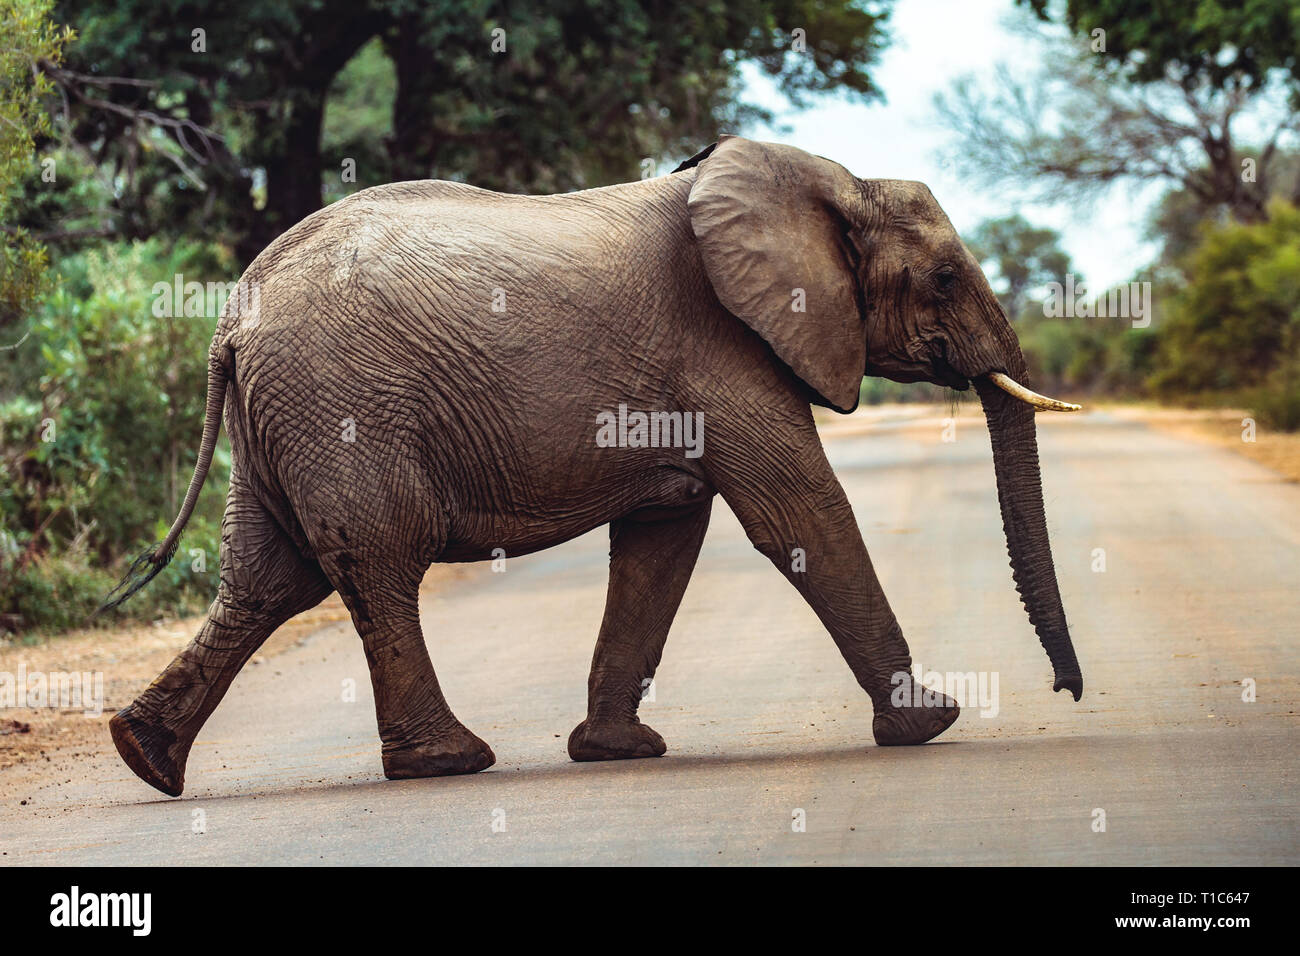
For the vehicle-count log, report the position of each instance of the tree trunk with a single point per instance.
(293, 160)
(293, 176)
(412, 145)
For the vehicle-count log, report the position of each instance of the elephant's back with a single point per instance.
(389, 229)
(447, 216)
(414, 282)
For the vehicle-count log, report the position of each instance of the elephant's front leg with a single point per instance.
(794, 510)
(650, 561)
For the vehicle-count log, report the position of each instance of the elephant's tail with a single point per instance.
(146, 567)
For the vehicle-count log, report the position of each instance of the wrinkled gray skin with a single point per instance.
(475, 429)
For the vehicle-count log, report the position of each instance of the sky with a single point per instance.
(934, 42)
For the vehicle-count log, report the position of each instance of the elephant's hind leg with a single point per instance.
(264, 582)
(421, 736)
(650, 563)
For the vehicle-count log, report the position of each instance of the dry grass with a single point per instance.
(1279, 451)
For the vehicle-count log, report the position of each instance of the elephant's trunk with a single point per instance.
(1020, 495)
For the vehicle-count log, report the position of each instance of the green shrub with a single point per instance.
(1129, 361)
(99, 434)
(1276, 403)
(53, 592)
(1234, 329)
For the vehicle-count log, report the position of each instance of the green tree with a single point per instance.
(1020, 257)
(1180, 217)
(1224, 43)
(223, 129)
(29, 38)
(1234, 330)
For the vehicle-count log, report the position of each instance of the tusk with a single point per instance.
(1012, 387)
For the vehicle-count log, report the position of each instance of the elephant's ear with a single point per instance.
(772, 227)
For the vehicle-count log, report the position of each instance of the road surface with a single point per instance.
(770, 752)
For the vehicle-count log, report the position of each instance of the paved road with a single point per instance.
(763, 719)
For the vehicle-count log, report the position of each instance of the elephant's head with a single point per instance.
(844, 277)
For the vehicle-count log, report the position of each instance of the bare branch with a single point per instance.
(1076, 126)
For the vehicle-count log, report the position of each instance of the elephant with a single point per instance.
(417, 373)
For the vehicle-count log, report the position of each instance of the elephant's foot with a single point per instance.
(152, 751)
(456, 752)
(614, 740)
(898, 725)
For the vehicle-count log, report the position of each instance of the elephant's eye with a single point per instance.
(945, 280)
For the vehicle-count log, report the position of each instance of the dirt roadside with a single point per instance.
(1226, 428)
